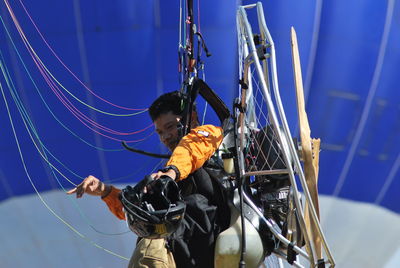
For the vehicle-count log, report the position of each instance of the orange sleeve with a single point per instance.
(195, 149)
(114, 204)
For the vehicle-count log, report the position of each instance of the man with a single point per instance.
(207, 213)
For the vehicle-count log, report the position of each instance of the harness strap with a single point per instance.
(321, 263)
(291, 254)
(212, 98)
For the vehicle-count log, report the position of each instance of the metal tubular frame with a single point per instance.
(251, 57)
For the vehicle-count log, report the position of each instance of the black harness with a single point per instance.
(207, 214)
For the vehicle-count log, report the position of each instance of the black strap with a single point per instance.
(212, 98)
(166, 156)
(243, 84)
(203, 45)
(321, 263)
(291, 254)
(238, 106)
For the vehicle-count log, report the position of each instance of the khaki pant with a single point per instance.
(151, 253)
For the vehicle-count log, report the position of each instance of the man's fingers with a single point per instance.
(82, 188)
(90, 185)
(72, 191)
(94, 187)
(76, 189)
(156, 175)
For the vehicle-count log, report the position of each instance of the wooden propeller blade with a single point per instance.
(310, 148)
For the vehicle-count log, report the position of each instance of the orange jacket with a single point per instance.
(191, 153)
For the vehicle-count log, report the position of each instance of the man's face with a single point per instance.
(166, 128)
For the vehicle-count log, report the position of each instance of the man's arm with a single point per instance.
(191, 153)
(108, 193)
(195, 149)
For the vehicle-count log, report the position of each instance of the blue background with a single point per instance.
(127, 52)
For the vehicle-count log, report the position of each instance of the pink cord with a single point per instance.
(65, 66)
(66, 102)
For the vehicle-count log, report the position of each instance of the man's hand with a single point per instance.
(92, 186)
(170, 173)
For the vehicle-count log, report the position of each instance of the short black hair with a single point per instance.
(168, 102)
